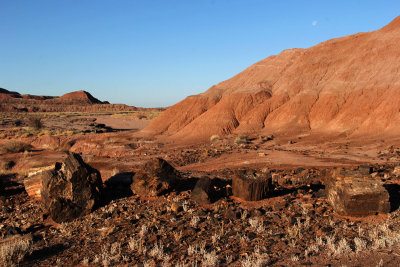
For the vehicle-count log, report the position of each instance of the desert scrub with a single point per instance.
(214, 138)
(241, 140)
(14, 249)
(14, 147)
(35, 123)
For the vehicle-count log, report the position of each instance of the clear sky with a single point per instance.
(156, 52)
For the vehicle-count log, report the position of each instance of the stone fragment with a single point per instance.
(176, 207)
(357, 196)
(70, 190)
(396, 171)
(251, 186)
(156, 178)
(203, 192)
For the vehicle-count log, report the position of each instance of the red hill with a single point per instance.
(81, 96)
(348, 85)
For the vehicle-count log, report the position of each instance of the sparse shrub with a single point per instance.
(157, 251)
(14, 147)
(35, 123)
(194, 221)
(360, 244)
(253, 260)
(143, 230)
(14, 249)
(241, 140)
(228, 259)
(343, 247)
(178, 235)
(214, 138)
(210, 259)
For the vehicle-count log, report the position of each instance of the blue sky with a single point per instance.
(156, 52)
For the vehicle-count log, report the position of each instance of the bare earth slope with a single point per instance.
(348, 85)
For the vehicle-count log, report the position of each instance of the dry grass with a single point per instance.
(14, 249)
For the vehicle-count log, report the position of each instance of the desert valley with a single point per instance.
(292, 162)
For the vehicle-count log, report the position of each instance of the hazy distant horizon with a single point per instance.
(155, 53)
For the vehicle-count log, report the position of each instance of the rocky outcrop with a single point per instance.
(251, 186)
(70, 190)
(355, 193)
(155, 178)
(346, 86)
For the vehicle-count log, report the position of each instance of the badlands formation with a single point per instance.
(293, 162)
(346, 86)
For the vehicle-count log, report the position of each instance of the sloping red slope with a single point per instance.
(346, 85)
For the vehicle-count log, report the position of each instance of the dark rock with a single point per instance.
(70, 190)
(251, 186)
(157, 177)
(203, 192)
(357, 196)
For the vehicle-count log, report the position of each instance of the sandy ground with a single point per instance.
(122, 123)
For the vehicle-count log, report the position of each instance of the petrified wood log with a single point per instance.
(33, 182)
(70, 190)
(155, 178)
(357, 196)
(32, 186)
(251, 186)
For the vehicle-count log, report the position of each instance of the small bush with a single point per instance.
(214, 137)
(14, 147)
(14, 249)
(35, 123)
(241, 140)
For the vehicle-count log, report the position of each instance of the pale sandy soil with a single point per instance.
(122, 123)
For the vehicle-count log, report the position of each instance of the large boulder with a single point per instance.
(357, 194)
(155, 178)
(70, 190)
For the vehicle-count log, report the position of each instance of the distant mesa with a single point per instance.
(346, 86)
(78, 101)
(81, 95)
